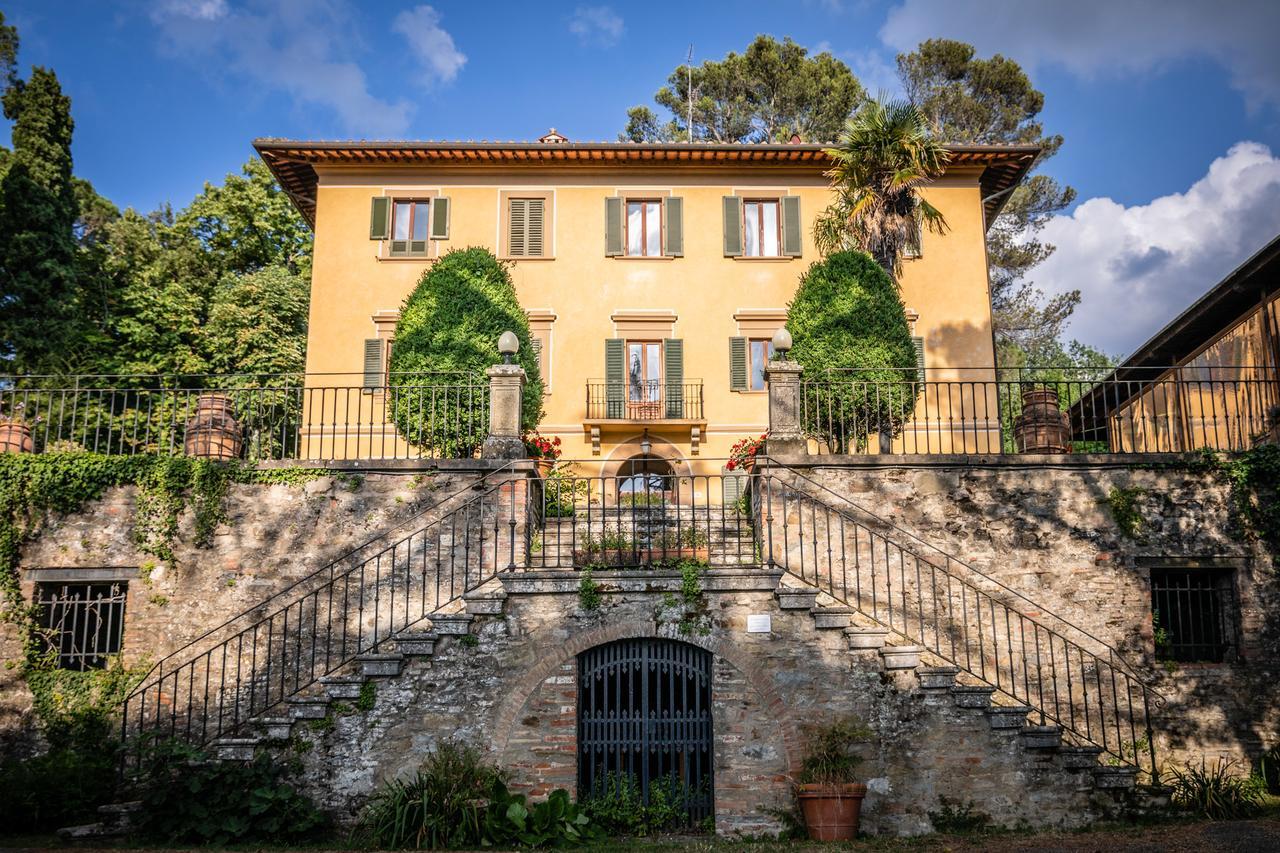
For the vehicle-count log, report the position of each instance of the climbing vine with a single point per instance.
(1123, 504)
(1254, 476)
(73, 706)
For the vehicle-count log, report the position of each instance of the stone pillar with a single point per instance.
(786, 438)
(506, 401)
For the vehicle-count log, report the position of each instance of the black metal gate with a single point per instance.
(644, 712)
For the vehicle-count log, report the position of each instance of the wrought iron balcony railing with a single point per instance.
(644, 401)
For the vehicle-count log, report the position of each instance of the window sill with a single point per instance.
(527, 258)
(643, 257)
(401, 258)
(755, 259)
(751, 392)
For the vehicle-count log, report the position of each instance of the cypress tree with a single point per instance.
(43, 325)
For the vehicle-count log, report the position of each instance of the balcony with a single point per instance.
(657, 404)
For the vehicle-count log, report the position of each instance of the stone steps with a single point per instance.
(940, 683)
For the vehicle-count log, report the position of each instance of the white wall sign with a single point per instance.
(759, 623)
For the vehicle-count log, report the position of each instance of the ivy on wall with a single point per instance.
(73, 707)
(1254, 476)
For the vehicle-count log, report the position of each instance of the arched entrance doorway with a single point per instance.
(644, 713)
(646, 474)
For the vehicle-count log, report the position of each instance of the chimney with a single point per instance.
(553, 137)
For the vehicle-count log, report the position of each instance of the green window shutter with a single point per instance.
(792, 231)
(517, 227)
(673, 376)
(417, 247)
(380, 218)
(737, 364)
(732, 483)
(615, 377)
(372, 362)
(440, 219)
(612, 227)
(918, 343)
(533, 236)
(732, 226)
(673, 233)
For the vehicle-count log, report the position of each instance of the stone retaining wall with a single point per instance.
(1048, 532)
(272, 537)
(515, 694)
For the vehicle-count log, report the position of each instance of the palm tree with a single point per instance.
(884, 155)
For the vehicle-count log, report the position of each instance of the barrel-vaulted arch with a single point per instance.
(558, 652)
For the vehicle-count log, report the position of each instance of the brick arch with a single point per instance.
(523, 689)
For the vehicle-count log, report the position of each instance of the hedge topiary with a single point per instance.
(447, 336)
(847, 314)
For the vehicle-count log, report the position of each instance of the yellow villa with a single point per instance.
(664, 268)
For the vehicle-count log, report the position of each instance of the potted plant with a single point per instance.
(543, 451)
(743, 454)
(15, 432)
(830, 799)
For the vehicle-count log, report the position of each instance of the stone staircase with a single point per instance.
(908, 666)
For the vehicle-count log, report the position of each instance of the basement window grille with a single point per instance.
(1190, 611)
(83, 622)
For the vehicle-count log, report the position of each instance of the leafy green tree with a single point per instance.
(884, 156)
(258, 322)
(181, 286)
(766, 94)
(851, 336)
(985, 101)
(44, 325)
(248, 223)
(449, 327)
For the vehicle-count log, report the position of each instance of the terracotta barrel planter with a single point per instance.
(831, 812)
(213, 431)
(544, 466)
(15, 437)
(1042, 427)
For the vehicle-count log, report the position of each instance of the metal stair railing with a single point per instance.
(271, 652)
(1067, 676)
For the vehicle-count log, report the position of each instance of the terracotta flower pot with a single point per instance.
(544, 465)
(15, 437)
(831, 812)
(213, 432)
(1042, 427)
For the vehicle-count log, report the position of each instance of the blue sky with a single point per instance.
(1167, 107)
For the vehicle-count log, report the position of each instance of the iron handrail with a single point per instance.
(327, 567)
(936, 628)
(883, 523)
(264, 663)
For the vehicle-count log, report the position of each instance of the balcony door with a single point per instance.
(644, 379)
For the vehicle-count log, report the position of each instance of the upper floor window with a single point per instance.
(763, 225)
(408, 225)
(526, 222)
(761, 228)
(644, 228)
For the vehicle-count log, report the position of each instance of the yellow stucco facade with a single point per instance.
(578, 296)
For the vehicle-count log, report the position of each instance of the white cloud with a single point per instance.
(433, 47)
(598, 25)
(1091, 37)
(299, 47)
(1139, 267)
